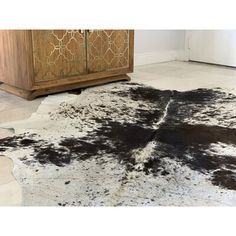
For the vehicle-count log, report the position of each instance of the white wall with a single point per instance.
(154, 46)
(212, 46)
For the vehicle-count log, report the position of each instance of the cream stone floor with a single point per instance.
(170, 75)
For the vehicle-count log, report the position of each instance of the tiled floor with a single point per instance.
(172, 75)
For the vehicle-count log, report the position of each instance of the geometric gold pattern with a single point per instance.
(108, 50)
(58, 54)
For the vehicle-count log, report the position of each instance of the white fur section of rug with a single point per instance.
(90, 182)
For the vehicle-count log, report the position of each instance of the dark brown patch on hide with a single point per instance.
(225, 179)
(186, 144)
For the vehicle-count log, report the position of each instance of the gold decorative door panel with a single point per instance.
(107, 50)
(58, 54)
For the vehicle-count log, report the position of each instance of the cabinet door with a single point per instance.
(107, 50)
(58, 54)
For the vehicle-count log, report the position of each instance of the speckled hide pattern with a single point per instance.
(127, 144)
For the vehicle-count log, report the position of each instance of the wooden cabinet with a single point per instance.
(37, 62)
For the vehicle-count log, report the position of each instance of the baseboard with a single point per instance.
(158, 56)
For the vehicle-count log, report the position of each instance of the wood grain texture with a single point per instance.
(46, 60)
(107, 50)
(131, 51)
(58, 54)
(76, 79)
(16, 91)
(16, 62)
(30, 95)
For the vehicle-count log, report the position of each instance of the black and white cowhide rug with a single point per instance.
(127, 144)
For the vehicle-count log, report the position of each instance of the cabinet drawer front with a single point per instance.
(108, 50)
(58, 54)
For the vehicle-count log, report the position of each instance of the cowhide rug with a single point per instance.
(127, 144)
